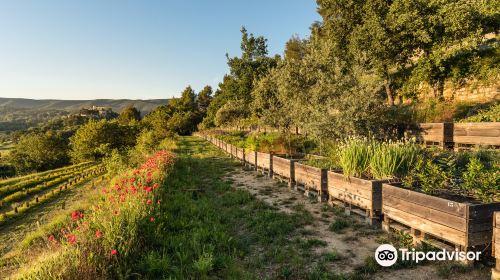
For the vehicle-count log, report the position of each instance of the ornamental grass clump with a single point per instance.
(391, 160)
(355, 155)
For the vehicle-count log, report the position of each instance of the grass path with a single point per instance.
(241, 225)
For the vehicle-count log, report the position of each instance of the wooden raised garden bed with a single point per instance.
(473, 134)
(444, 223)
(240, 154)
(437, 134)
(495, 274)
(311, 179)
(264, 163)
(283, 169)
(228, 148)
(251, 158)
(361, 196)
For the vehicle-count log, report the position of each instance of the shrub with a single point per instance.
(480, 182)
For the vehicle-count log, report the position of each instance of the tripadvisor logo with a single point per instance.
(387, 255)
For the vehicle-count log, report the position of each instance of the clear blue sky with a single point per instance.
(88, 49)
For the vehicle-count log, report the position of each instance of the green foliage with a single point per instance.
(491, 114)
(355, 156)
(128, 115)
(97, 139)
(393, 159)
(39, 152)
(482, 182)
(180, 116)
(467, 173)
(339, 225)
(116, 162)
(434, 173)
(236, 87)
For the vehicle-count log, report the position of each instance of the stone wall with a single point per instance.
(472, 91)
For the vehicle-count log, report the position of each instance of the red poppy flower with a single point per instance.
(75, 215)
(149, 201)
(71, 238)
(98, 234)
(114, 252)
(52, 238)
(152, 219)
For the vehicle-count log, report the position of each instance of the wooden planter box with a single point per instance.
(362, 196)
(240, 154)
(264, 163)
(228, 148)
(495, 274)
(441, 222)
(283, 169)
(484, 134)
(313, 180)
(251, 158)
(435, 133)
(234, 151)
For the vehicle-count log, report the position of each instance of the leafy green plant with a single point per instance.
(393, 159)
(473, 174)
(355, 156)
(483, 184)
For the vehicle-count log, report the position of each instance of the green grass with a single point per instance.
(223, 232)
(339, 225)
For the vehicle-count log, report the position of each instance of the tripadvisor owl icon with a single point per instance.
(386, 255)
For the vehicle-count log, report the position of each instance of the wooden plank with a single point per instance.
(435, 132)
(433, 215)
(263, 160)
(479, 238)
(356, 186)
(441, 204)
(486, 133)
(282, 167)
(351, 198)
(496, 243)
(307, 175)
(250, 157)
(446, 233)
(240, 153)
(477, 225)
(483, 211)
(497, 251)
(497, 219)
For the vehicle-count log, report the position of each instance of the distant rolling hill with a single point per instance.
(145, 106)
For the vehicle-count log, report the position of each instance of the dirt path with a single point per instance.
(354, 244)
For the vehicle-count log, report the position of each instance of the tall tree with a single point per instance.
(243, 72)
(204, 98)
(39, 152)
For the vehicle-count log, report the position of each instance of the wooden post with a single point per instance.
(495, 271)
(271, 164)
(386, 225)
